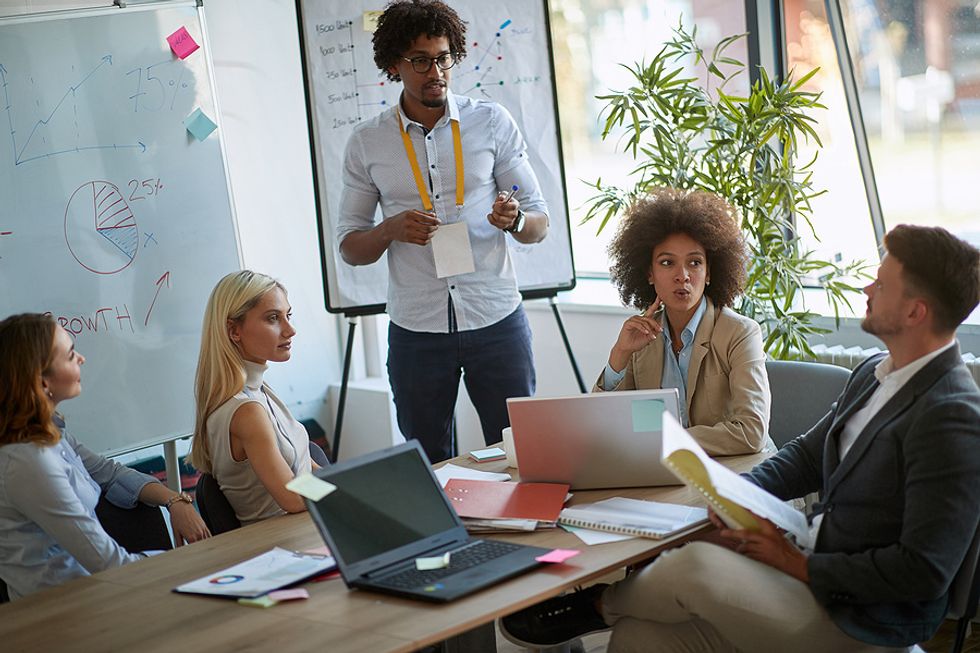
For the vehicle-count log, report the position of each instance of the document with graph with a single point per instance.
(728, 494)
(262, 574)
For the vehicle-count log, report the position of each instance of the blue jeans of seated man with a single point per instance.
(424, 369)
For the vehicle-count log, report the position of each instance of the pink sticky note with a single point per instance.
(558, 556)
(289, 595)
(182, 43)
(320, 551)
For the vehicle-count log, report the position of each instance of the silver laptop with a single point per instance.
(600, 440)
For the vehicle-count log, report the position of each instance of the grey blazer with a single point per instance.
(899, 510)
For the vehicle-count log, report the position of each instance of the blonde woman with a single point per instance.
(244, 435)
(49, 482)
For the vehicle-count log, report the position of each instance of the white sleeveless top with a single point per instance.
(245, 492)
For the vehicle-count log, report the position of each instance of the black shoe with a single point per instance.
(555, 621)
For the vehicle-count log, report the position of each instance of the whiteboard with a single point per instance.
(508, 61)
(91, 111)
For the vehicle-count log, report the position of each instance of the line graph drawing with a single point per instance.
(60, 111)
(481, 69)
(355, 95)
(100, 229)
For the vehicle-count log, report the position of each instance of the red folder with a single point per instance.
(497, 500)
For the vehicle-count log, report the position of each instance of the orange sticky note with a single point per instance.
(182, 43)
(558, 556)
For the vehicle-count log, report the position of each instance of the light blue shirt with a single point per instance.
(675, 367)
(49, 533)
(376, 171)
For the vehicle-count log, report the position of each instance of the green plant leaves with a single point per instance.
(684, 134)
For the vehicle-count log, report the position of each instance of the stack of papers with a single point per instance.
(491, 505)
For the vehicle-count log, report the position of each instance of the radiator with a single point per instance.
(849, 357)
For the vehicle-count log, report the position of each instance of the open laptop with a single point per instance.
(593, 441)
(388, 509)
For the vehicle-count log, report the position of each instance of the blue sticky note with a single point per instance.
(648, 415)
(199, 125)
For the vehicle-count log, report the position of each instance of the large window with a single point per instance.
(591, 39)
(917, 71)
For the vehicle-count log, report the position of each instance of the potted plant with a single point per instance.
(689, 135)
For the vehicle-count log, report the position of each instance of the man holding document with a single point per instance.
(452, 176)
(896, 463)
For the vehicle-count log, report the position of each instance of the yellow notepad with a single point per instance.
(728, 494)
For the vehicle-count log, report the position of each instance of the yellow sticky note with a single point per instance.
(371, 21)
(258, 602)
(309, 486)
(437, 562)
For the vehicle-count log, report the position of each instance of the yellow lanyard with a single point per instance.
(413, 160)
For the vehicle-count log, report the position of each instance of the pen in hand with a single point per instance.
(510, 195)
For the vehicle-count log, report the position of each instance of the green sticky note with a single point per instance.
(258, 602)
(199, 125)
(648, 415)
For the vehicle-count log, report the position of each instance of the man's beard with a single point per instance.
(434, 104)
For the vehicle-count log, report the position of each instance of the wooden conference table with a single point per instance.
(133, 608)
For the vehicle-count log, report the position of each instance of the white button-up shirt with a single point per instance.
(377, 169)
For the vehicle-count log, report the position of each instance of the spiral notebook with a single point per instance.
(650, 519)
(728, 494)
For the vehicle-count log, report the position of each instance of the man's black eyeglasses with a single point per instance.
(444, 61)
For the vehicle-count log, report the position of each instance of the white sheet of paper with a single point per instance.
(592, 537)
(450, 470)
(451, 250)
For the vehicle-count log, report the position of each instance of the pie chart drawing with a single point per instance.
(100, 228)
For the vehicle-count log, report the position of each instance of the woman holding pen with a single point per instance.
(680, 257)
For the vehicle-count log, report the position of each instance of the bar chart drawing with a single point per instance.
(100, 228)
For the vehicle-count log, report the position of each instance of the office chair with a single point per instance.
(964, 593)
(801, 394)
(213, 505)
(318, 455)
(141, 528)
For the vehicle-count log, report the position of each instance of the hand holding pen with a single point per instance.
(637, 332)
(505, 209)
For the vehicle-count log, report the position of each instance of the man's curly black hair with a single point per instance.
(403, 21)
(702, 216)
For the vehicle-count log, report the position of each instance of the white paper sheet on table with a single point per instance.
(592, 537)
(450, 470)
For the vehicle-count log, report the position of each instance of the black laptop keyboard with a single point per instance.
(470, 555)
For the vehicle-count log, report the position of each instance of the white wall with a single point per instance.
(255, 49)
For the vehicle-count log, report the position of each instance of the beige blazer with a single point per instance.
(727, 386)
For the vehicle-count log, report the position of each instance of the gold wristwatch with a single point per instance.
(180, 496)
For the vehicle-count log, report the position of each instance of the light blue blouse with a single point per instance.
(675, 367)
(49, 533)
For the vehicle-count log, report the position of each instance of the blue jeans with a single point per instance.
(424, 370)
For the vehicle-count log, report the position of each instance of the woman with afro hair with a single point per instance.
(680, 258)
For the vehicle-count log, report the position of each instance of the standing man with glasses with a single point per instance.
(437, 163)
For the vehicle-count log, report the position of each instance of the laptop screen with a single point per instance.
(382, 505)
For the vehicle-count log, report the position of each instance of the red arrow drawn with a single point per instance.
(159, 284)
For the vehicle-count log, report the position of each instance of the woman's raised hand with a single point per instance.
(637, 332)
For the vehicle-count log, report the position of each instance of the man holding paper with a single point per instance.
(896, 463)
(437, 162)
